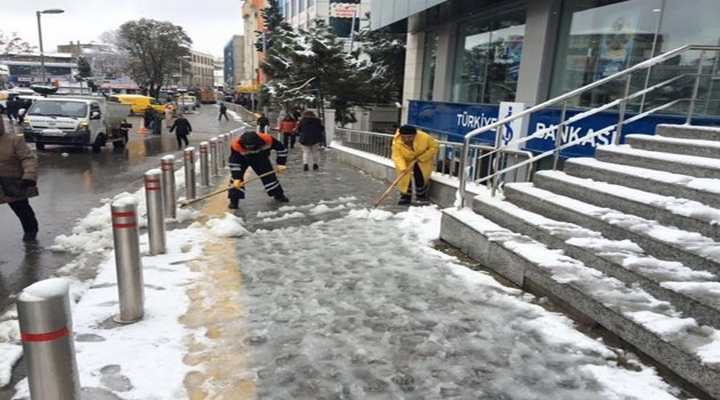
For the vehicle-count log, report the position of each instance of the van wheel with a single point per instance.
(99, 143)
(40, 146)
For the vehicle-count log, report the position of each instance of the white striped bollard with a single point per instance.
(214, 155)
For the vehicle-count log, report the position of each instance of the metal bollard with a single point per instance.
(204, 164)
(221, 153)
(189, 156)
(226, 149)
(155, 212)
(214, 165)
(167, 164)
(47, 339)
(127, 261)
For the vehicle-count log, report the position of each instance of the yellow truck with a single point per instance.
(138, 103)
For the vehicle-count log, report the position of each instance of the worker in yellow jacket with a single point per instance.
(410, 144)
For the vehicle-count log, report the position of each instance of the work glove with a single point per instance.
(237, 183)
(280, 169)
(28, 183)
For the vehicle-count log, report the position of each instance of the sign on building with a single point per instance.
(343, 10)
(515, 129)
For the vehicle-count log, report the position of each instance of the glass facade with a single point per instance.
(600, 37)
(429, 62)
(487, 59)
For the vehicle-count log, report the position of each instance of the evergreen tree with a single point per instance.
(84, 69)
(385, 69)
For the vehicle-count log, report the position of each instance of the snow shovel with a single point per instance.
(223, 190)
(395, 182)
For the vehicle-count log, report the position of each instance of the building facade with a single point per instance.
(253, 23)
(465, 57)
(202, 70)
(234, 61)
(219, 72)
(337, 14)
(25, 69)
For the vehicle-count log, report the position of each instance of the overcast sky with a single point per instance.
(210, 23)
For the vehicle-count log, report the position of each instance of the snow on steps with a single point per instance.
(703, 190)
(695, 293)
(689, 131)
(702, 167)
(651, 325)
(685, 214)
(692, 147)
(689, 248)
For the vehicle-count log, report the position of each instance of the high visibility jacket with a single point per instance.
(242, 158)
(287, 126)
(424, 149)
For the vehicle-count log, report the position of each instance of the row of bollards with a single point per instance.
(44, 307)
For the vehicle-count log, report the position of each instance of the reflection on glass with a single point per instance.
(429, 63)
(488, 59)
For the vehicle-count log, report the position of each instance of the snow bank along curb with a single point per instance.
(92, 241)
(653, 326)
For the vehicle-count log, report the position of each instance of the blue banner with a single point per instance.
(454, 120)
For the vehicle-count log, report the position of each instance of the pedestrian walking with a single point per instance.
(263, 123)
(169, 115)
(311, 134)
(223, 112)
(11, 108)
(414, 149)
(149, 119)
(18, 177)
(182, 129)
(252, 150)
(287, 128)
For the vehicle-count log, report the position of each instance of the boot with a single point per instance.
(405, 200)
(316, 167)
(305, 167)
(281, 198)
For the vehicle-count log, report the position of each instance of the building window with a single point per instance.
(600, 37)
(301, 6)
(429, 62)
(310, 3)
(488, 57)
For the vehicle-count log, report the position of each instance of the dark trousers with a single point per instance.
(223, 114)
(421, 189)
(25, 213)
(180, 139)
(270, 182)
(289, 139)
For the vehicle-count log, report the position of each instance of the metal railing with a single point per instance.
(498, 171)
(449, 153)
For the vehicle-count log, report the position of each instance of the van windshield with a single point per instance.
(71, 109)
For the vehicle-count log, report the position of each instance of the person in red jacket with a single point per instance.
(288, 128)
(252, 150)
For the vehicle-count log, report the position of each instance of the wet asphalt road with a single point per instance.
(71, 186)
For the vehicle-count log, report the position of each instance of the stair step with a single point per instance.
(702, 167)
(652, 326)
(689, 131)
(703, 190)
(691, 147)
(695, 293)
(682, 213)
(689, 248)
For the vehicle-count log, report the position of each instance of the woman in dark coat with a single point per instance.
(311, 134)
(182, 129)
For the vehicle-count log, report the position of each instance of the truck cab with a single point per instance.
(76, 122)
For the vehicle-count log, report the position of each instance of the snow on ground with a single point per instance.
(363, 307)
(228, 226)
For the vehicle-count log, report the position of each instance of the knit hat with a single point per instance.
(408, 130)
(251, 141)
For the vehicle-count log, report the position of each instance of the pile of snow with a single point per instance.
(227, 226)
(107, 354)
(374, 214)
(285, 217)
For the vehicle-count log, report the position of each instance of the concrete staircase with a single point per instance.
(629, 239)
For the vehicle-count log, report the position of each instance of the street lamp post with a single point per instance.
(42, 53)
